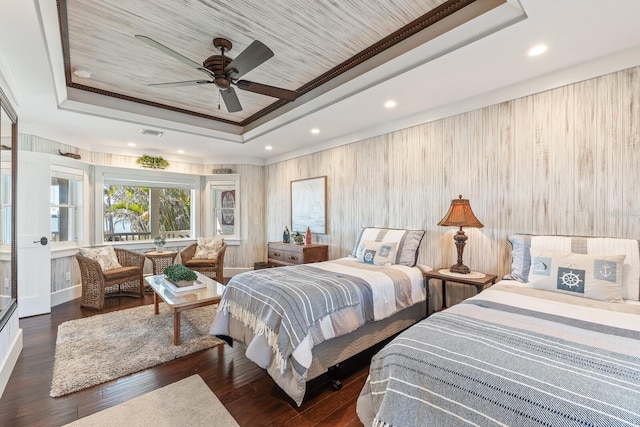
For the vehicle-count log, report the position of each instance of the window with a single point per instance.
(66, 204)
(224, 207)
(142, 205)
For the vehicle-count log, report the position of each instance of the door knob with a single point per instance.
(43, 241)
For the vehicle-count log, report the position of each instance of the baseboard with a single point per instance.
(10, 361)
(64, 295)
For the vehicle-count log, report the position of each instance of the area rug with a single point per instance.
(188, 402)
(97, 349)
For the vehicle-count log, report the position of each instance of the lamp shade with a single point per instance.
(460, 215)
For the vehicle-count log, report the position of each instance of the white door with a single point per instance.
(34, 230)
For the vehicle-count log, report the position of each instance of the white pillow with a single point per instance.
(589, 276)
(407, 241)
(601, 246)
(376, 253)
(106, 256)
(208, 248)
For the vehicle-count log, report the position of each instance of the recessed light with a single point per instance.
(390, 104)
(315, 131)
(538, 50)
(82, 72)
(268, 147)
(180, 151)
(131, 144)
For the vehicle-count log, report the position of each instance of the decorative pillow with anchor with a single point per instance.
(589, 276)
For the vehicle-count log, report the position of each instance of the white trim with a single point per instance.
(133, 176)
(210, 218)
(66, 295)
(9, 362)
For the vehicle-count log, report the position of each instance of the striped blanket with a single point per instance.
(292, 309)
(508, 357)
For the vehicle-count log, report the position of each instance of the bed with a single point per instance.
(555, 343)
(298, 321)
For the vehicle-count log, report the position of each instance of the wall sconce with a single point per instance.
(460, 215)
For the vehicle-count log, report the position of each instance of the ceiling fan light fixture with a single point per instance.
(151, 132)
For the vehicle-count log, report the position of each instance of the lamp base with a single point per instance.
(460, 268)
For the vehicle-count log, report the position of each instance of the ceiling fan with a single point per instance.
(224, 71)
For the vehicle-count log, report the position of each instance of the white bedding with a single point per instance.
(494, 358)
(389, 289)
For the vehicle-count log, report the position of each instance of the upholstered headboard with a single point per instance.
(603, 246)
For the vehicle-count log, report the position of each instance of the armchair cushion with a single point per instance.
(120, 273)
(195, 262)
(208, 248)
(106, 256)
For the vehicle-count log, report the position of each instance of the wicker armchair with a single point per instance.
(209, 267)
(124, 281)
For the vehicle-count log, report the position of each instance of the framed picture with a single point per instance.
(309, 205)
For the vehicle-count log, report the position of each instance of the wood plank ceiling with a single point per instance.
(313, 42)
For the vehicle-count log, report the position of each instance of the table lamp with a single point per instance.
(460, 215)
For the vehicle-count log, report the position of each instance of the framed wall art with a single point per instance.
(309, 205)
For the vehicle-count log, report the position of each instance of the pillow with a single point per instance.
(521, 261)
(589, 276)
(408, 242)
(376, 253)
(208, 248)
(106, 256)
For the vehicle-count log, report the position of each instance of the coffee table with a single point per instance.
(179, 302)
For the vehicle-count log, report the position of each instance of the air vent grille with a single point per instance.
(151, 132)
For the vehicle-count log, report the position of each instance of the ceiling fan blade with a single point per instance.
(272, 91)
(231, 100)
(176, 84)
(162, 48)
(248, 59)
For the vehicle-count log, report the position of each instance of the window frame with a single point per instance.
(83, 215)
(137, 178)
(210, 228)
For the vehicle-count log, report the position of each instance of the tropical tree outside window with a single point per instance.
(143, 212)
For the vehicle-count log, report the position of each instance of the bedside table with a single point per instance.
(466, 279)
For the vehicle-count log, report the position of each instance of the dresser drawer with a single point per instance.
(294, 257)
(276, 253)
(280, 254)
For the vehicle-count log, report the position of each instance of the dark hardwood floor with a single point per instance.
(247, 392)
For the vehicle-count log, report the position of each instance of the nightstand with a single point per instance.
(474, 279)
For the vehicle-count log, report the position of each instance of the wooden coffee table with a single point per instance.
(179, 302)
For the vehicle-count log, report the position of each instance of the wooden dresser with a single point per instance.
(281, 254)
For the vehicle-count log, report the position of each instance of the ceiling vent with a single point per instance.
(151, 132)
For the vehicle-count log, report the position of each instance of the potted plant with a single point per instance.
(180, 275)
(298, 239)
(147, 161)
(159, 241)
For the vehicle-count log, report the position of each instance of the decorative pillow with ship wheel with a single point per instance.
(589, 276)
